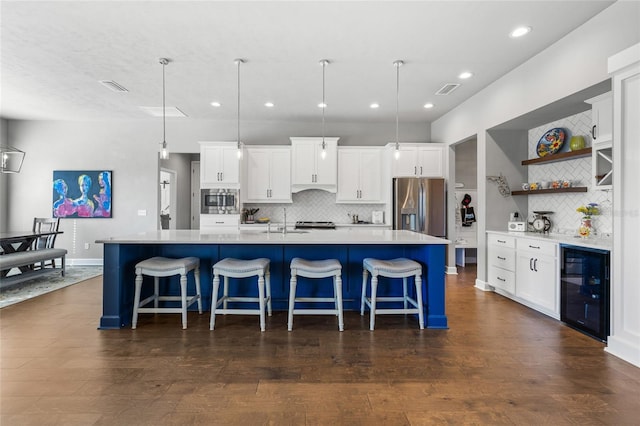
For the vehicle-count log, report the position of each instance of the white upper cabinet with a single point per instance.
(359, 175)
(308, 169)
(268, 175)
(418, 160)
(219, 165)
(601, 118)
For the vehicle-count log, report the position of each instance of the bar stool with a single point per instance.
(316, 269)
(158, 267)
(236, 268)
(395, 268)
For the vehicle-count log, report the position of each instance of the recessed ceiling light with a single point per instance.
(322, 105)
(269, 104)
(464, 75)
(519, 32)
(429, 105)
(215, 104)
(374, 105)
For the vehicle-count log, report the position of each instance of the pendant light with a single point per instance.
(11, 158)
(324, 63)
(397, 64)
(238, 62)
(164, 153)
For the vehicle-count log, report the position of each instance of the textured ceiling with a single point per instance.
(54, 53)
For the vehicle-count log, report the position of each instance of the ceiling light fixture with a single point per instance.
(269, 104)
(216, 104)
(324, 63)
(164, 153)
(465, 74)
(519, 32)
(429, 105)
(397, 64)
(12, 159)
(238, 62)
(374, 105)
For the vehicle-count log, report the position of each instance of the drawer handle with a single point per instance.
(501, 258)
(534, 247)
(501, 241)
(501, 279)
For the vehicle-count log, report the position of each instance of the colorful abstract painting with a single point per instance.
(82, 194)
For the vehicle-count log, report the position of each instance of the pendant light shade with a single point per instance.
(238, 62)
(324, 63)
(397, 64)
(12, 159)
(164, 152)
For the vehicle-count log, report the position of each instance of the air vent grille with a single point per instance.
(113, 86)
(447, 88)
(157, 111)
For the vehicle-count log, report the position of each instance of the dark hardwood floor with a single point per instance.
(499, 363)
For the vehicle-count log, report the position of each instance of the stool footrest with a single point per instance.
(231, 299)
(396, 311)
(315, 312)
(235, 311)
(315, 299)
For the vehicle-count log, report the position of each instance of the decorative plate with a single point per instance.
(551, 142)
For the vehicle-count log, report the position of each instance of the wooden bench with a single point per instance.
(32, 263)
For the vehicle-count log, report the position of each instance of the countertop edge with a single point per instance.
(598, 243)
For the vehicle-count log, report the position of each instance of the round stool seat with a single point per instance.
(400, 267)
(315, 268)
(165, 267)
(238, 268)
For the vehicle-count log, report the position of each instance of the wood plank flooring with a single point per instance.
(499, 363)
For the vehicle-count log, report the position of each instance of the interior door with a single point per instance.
(195, 195)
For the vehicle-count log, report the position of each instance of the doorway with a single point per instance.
(168, 198)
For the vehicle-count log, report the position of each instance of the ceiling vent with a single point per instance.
(447, 88)
(157, 111)
(113, 86)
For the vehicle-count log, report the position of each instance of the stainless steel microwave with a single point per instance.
(219, 201)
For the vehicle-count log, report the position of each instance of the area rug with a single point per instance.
(46, 283)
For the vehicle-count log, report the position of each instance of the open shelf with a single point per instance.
(559, 156)
(551, 191)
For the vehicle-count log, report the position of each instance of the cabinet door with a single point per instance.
(348, 175)
(602, 120)
(326, 168)
(537, 282)
(258, 165)
(230, 165)
(370, 175)
(303, 163)
(406, 164)
(430, 161)
(280, 176)
(209, 165)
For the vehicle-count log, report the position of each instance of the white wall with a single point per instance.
(130, 150)
(3, 180)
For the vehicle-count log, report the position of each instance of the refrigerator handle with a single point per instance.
(421, 209)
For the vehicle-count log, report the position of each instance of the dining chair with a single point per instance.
(44, 225)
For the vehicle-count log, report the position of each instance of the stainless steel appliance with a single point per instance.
(420, 205)
(315, 225)
(219, 201)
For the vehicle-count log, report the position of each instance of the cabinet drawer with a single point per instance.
(501, 240)
(502, 258)
(536, 246)
(503, 279)
(222, 220)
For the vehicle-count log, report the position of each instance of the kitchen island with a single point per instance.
(349, 246)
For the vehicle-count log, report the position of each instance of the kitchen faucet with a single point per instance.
(284, 226)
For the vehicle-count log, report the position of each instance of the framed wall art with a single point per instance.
(82, 194)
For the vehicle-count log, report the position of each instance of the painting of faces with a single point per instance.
(82, 194)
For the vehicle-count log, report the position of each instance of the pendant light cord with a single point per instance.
(397, 64)
(324, 105)
(239, 61)
(164, 108)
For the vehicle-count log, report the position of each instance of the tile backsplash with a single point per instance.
(565, 219)
(316, 205)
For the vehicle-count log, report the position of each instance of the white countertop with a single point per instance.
(599, 243)
(365, 235)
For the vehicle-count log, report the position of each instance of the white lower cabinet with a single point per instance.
(525, 270)
(537, 275)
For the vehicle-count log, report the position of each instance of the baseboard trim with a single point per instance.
(624, 350)
(451, 270)
(84, 262)
(481, 285)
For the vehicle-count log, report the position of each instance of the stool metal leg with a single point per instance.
(405, 295)
(293, 283)
(261, 301)
(338, 296)
(374, 292)
(156, 291)
(418, 282)
(136, 301)
(214, 300)
(268, 289)
(225, 293)
(364, 291)
(183, 294)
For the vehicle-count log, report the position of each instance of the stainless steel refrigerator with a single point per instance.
(420, 205)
